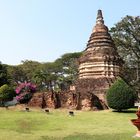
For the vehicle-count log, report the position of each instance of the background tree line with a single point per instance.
(57, 75)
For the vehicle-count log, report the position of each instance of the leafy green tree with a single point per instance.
(39, 78)
(126, 35)
(6, 93)
(16, 74)
(3, 75)
(51, 70)
(69, 63)
(29, 68)
(120, 95)
(58, 74)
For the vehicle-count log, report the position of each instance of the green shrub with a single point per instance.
(120, 95)
(6, 93)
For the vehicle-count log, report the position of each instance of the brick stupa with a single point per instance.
(99, 66)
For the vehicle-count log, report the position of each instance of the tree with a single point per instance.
(29, 68)
(16, 74)
(126, 35)
(50, 72)
(3, 74)
(69, 70)
(39, 78)
(58, 74)
(6, 93)
(120, 95)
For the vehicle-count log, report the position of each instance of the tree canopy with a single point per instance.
(58, 74)
(126, 35)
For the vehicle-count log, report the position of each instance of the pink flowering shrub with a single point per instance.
(25, 91)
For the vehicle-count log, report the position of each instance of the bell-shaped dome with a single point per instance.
(100, 58)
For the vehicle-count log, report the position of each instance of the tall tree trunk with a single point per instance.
(137, 71)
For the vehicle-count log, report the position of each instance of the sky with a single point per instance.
(44, 30)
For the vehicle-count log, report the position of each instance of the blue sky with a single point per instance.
(43, 30)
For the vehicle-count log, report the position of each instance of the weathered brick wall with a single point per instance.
(36, 100)
(65, 99)
(42, 100)
(85, 100)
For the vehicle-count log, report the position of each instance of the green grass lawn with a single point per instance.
(58, 125)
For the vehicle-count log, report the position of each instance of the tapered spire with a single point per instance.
(100, 26)
(99, 19)
(100, 58)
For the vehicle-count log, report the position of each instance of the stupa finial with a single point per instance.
(99, 19)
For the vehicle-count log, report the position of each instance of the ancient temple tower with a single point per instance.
(99, 66)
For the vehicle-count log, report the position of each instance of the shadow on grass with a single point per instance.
(125, 111)
(92, 137)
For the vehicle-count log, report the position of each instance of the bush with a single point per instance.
(120, 95)
(25, 91)
(6, 93)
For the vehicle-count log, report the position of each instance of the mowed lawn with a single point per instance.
(58, 125)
